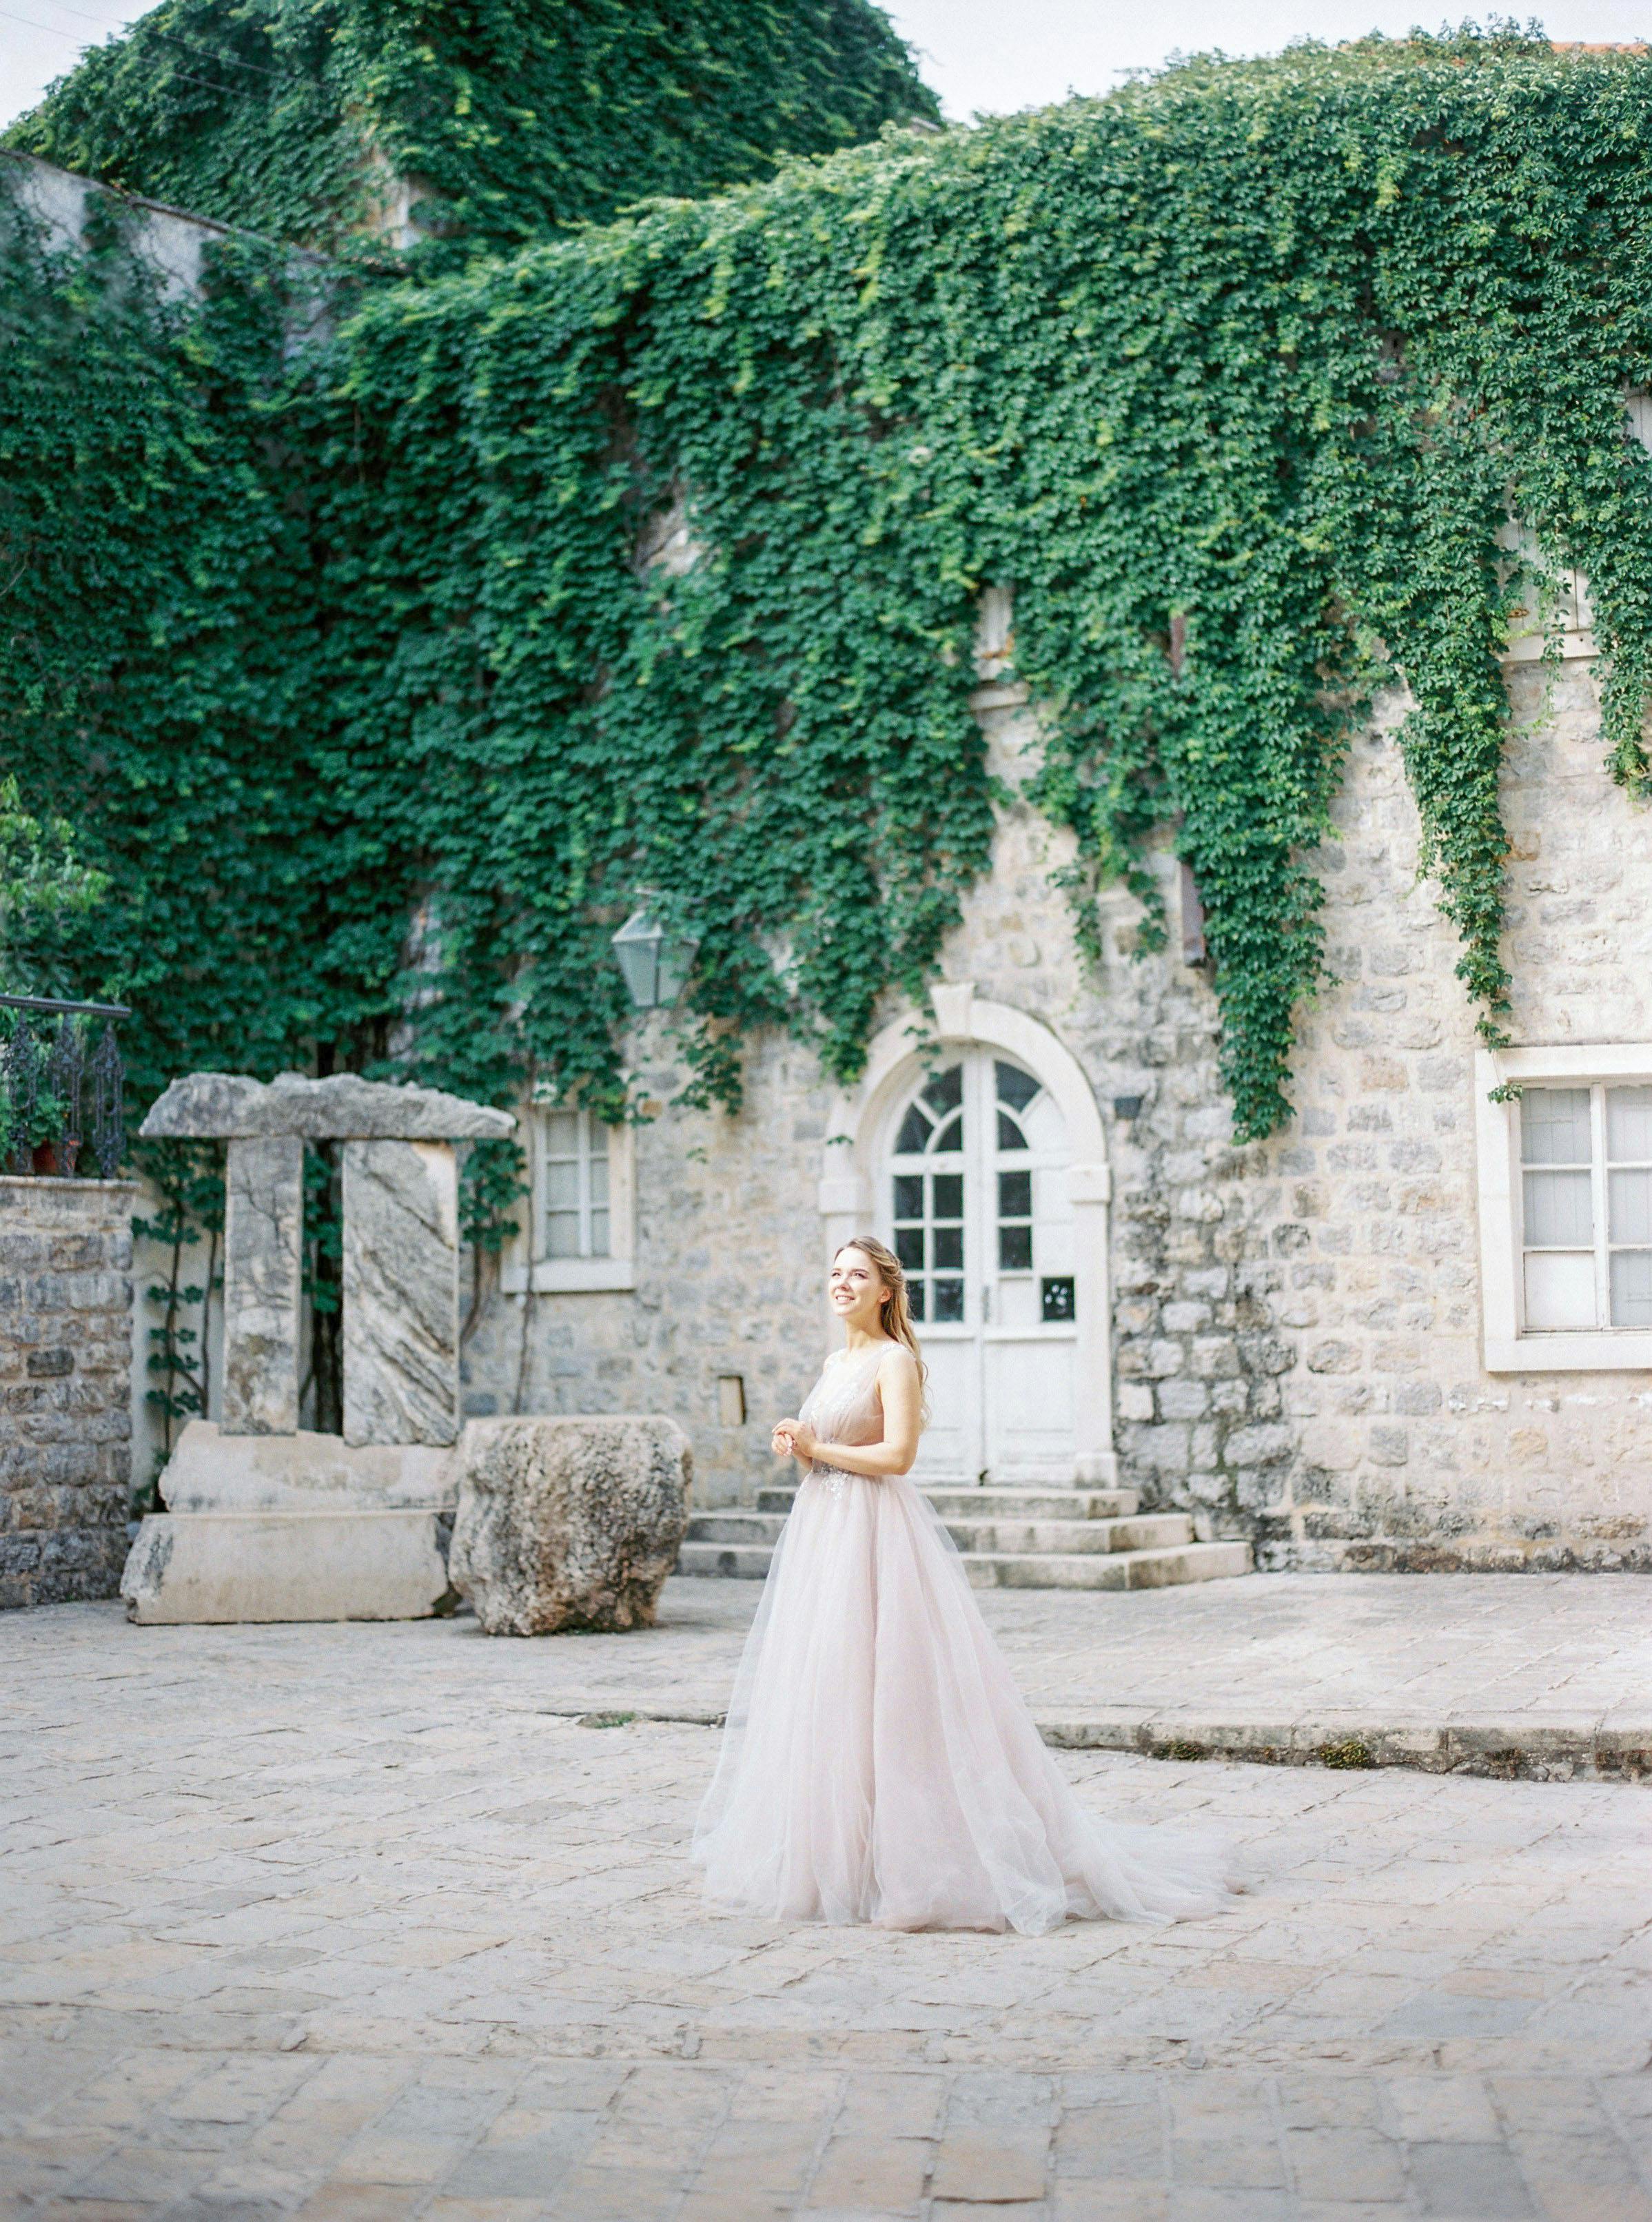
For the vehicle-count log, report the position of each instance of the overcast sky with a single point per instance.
(991, 55)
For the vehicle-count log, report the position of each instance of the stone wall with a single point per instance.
(66, 1365)
(170, 240)
(1398, 1449)
(728, 1282)
(1297, 1324)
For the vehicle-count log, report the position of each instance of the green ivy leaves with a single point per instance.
(539, 583)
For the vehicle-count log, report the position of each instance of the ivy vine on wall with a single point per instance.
(650, 557)
(297, 118)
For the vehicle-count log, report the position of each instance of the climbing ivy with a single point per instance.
(165, 659)
(651, 558)
(43, 890)
(296, 117)
(1233, 378)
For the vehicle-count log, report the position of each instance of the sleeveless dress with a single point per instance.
(879, 1764)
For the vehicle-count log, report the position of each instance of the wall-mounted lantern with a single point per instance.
(654, 960)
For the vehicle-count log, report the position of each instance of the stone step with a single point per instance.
(1147, 1531)
(1043, 1503)
(1024, 1570)
(735, 1527)
(1153, 1531)
(1109, 1570)
(747, 1562)
(1041, 1500)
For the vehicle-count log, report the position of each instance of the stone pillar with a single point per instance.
(262, 1247)
(401, 1292)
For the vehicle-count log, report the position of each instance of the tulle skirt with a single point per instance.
(880, 1766)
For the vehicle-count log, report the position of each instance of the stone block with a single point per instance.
(1333, 1357)
(1417, 1396)
(1214, 1356)
(194, 1567)
(299, 1527)
(569, 1524)
(262, 1252)
(1163, 1449)
(211, 1471)
(1184, 1399)
(401, 1293)
(1260, 1445)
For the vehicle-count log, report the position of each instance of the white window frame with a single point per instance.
(1508, 1349)
(1571, 622)
(525, 1265)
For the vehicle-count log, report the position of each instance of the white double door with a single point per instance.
(974, 1198)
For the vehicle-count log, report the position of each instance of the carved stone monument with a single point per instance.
(265, 1522)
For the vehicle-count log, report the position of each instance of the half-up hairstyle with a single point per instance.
(897, 1308)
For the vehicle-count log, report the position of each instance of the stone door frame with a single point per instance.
(963, 1019)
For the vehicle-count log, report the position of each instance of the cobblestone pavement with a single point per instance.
(342, 1923)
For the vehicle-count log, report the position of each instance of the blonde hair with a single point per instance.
(897, 1311)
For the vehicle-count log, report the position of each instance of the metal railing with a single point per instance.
(62, 1085)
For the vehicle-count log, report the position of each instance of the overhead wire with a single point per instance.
(55, 31)
(158, 32)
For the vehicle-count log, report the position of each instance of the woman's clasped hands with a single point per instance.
(795, 1439)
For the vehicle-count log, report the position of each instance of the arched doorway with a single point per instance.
(972, 1194)
(980, 1163)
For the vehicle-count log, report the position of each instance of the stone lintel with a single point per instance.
(230, 1105)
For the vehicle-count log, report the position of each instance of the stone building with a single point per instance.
(1411, 1331)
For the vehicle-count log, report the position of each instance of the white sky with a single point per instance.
(991, 55)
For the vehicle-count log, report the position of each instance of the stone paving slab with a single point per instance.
(340, 1923)
(1542, 1675)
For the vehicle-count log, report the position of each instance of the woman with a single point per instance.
(879, 1764)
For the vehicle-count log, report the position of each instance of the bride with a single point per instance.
(879, 1764)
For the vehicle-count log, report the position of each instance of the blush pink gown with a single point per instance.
(879, 1764)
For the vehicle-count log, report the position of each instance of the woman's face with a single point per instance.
(856, 1289)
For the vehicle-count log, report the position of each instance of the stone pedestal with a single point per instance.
(569, 1524)
(264, 1521)
(299, 1527)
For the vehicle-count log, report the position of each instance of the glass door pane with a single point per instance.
(929, 1195)
(927, 1198)
(1030, 1334)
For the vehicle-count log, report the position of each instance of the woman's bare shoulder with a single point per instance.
(898, 1362)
